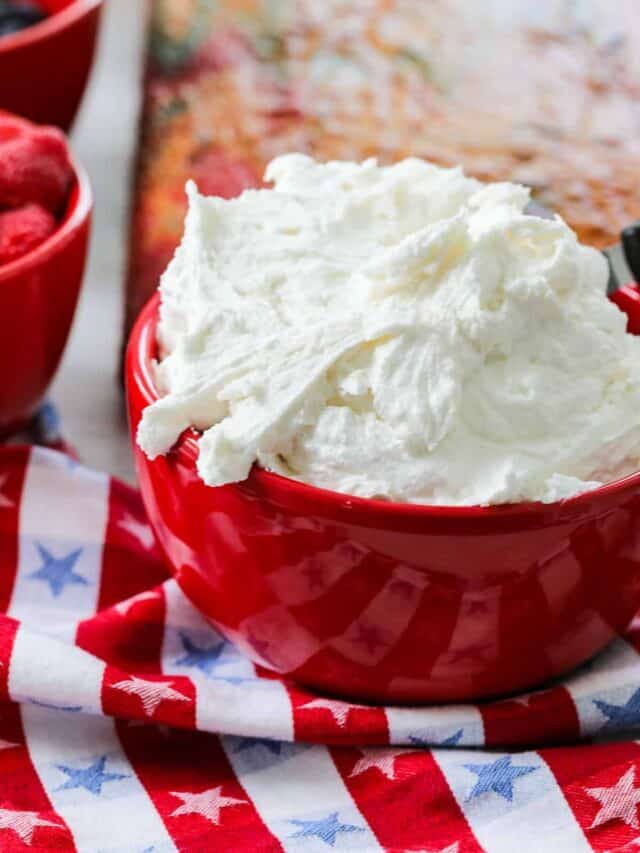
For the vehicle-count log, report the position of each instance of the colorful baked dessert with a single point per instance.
(540, 93)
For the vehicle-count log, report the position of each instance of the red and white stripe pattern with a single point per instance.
(127, 723)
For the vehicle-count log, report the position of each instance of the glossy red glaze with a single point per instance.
(38, 296)
(44, 69)
(392, 602)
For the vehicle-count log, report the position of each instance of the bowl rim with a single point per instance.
(78, 210)
(51, 25)
(141, 353)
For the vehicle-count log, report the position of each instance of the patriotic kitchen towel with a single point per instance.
(128, 724)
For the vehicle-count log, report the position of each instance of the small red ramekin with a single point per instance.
(392, 602)
(38, 296)
(44, 69)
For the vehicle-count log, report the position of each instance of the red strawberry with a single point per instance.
(34, 168)
(12, 126)
(22, 230)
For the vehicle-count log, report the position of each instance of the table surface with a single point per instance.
(86, 390)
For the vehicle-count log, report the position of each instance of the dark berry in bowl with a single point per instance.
(16, 16)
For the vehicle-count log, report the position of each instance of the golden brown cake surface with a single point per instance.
(546, 93)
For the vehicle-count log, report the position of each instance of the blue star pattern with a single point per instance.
(203, 658)
(73, 465)
(244, 743)
(253, 754)
(48, 422)
(452, 740)
(498, 777)
(151, 849)
(58, 571)
(208, 658)
(72, 709)
(91, 778)
(620, 717)
(326, 829)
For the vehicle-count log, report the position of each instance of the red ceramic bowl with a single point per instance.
(44, 69)
(38, 296)
(392, 602)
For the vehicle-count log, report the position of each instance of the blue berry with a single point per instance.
(18, 16)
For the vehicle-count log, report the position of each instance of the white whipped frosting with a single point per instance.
(404, 332)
